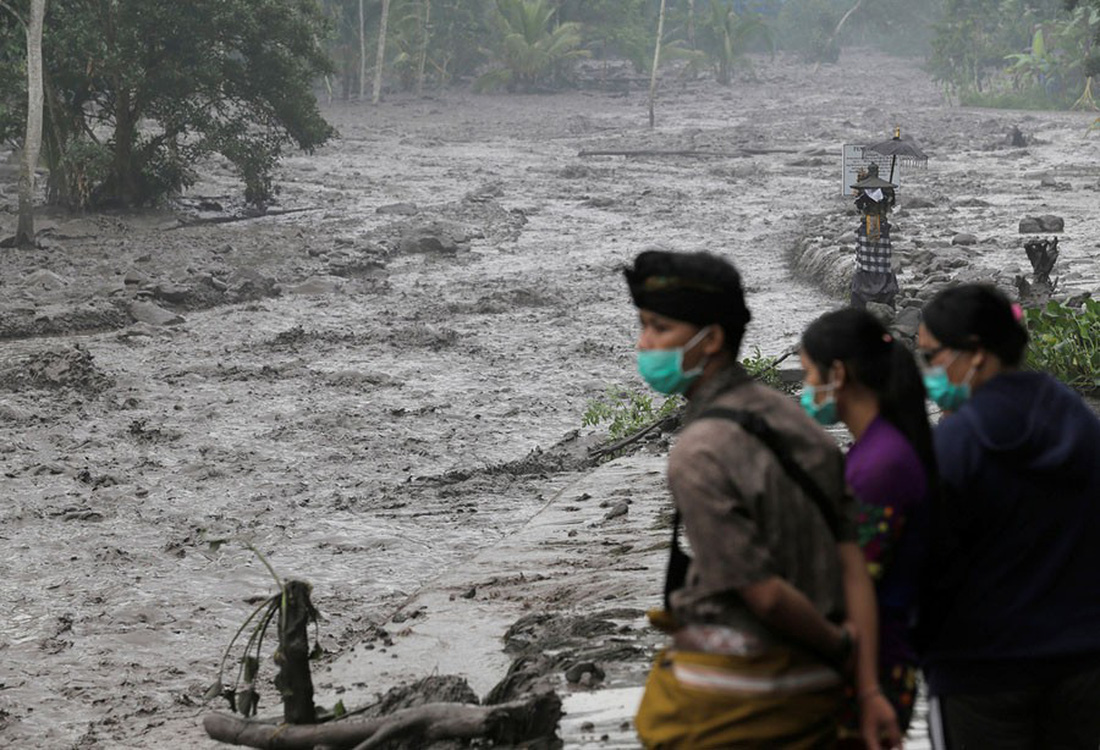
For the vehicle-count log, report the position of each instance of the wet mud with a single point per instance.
(379, 386)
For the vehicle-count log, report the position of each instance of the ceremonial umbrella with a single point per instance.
(908, 151)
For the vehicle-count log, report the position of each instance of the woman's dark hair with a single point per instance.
(972, 315)
(873, 358)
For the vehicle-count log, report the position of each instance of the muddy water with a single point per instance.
(363, 435)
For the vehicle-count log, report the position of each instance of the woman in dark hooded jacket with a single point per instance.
(1010, 619)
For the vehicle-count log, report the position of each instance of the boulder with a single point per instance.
(317, 285)
(918, 202)
(907, 321)
(44, 279)
(428, 243)
(1052, 223)
(884, 313)
(1042, 224)
(963, 238)
(401, 209)
(1030, 225)
(175, 294)
(147, 312)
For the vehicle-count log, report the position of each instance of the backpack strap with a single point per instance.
(754, 424)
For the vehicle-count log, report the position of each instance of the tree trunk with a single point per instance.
(426, 23)
(380, 59)
(32, 141)
(362, 52)
(656, 61)
(125, 132)
(691, 24)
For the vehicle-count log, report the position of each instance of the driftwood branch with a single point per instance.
(691, 153)
(242, 217)
(506, 723)
(670, 422)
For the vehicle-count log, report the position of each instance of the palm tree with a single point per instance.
(725, 35)
(530, 47)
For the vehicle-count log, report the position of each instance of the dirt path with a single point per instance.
(369, 390)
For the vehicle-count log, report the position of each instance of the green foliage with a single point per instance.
(725, 36)
(158, 85)
(623, 28)
(807, 28)
(627, 411)
(529, 46)
(1066, 343)
(766, 370)
(1014, 52)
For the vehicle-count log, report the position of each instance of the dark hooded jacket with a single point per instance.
(1013, 597)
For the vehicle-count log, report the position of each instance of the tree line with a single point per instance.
(126, 97)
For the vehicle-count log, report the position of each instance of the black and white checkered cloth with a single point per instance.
(873, 253)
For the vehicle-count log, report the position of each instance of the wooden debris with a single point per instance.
(518, 721)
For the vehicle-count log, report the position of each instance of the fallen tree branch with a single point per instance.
(506, 723)
(670, 422)
(693, 153)
(242, 217)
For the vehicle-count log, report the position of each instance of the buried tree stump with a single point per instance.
(1043, 254)
(293, 680)
(532, 718)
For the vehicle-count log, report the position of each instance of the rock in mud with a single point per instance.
(582, 669)
(400, 209)
(884, 313)
(918, 202)
(147, 312)
(428, 243)
(1040, 224)
(619, 509)
(173, 294)
(72, 369)
(44, 279)
(434, 689)
(317, 285)
(907, 321)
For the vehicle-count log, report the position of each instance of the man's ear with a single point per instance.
(714, 341)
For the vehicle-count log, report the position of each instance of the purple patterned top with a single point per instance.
(890, 487)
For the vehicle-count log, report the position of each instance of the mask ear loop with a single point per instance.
(691, 344)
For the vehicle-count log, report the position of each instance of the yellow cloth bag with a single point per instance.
(779, 699)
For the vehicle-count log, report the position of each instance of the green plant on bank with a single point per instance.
(1065, 342)
(626, 411)
(766, 370)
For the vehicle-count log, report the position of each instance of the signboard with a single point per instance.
(854, 158)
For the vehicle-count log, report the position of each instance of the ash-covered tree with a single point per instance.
(138, 92)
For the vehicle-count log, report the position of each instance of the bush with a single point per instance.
(1065, 342)
(627, 411)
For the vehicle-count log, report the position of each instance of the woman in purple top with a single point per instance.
(858, 374)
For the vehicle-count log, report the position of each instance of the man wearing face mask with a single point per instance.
(1010, 619)
(764, 616)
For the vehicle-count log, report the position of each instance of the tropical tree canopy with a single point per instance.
(138, 91)
(530, 45)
